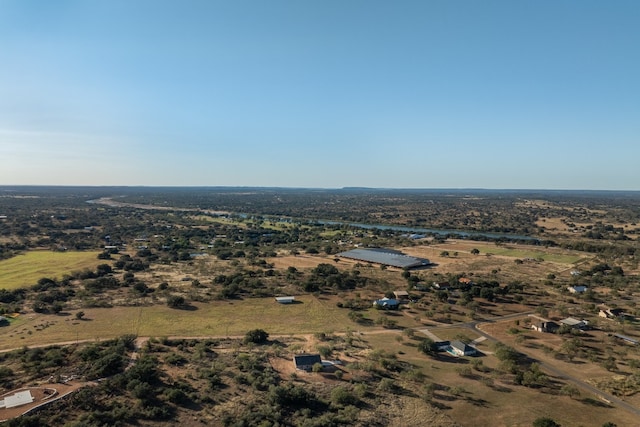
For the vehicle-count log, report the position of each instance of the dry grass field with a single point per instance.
(26, 269)
(484, 400)
(217, 319)
(300, 261)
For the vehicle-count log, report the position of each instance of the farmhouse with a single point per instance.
(575, 323)
(387, 303)
(400, 295)
(459, 348)
(610, 313)
(465, 281)
(441, 286)
(577, 289)
(551, 327)
(383, 256)
(305, 362)
(285, 300)
(442, 345)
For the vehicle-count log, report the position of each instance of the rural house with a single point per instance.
(441, 286)
(387, 303)
(575, 323)
(285, 300)
(459, 348)
(610, 313)
(465, 281)
(305, 362)
(400, 295)
(577, 289)
(551, 327)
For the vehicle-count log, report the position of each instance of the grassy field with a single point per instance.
(223, 318)
(520, 253)
(28, 268)
(463, 248)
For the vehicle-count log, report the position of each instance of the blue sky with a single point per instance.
(411, 94)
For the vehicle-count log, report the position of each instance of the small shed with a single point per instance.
(577, 289)
(285, 300)
(305, 362)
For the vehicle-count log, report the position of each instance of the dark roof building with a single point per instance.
(461, 349)
(385, 256)
(305, 362)
(551, 327)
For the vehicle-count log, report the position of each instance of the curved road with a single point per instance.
(553, 370)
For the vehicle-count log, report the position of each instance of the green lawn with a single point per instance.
(27, 269)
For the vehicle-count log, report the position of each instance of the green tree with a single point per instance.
(342, 396)
(256, 336)
(175, 301)
(428, 347)
(570, 390)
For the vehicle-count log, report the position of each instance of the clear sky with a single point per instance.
(326, 93)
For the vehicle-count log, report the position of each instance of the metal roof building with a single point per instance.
(17, 399)
(384, 256)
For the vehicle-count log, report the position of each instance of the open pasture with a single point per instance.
(222, 318)
(26, 269)
(461, 249)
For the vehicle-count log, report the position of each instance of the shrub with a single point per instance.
(256, 336)
(341, 396)
(175, 301)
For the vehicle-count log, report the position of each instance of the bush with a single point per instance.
(341, 396)
(175, 301)
(545, 422)
(256, 336)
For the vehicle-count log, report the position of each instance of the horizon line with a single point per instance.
(363, 188)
